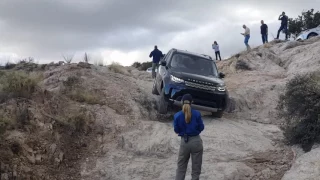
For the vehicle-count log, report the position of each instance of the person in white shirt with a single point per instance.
(246, 35)
(215, 46)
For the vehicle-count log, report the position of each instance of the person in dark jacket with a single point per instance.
(284, 25)
(264, 32)
(188, 124)
(156, 54)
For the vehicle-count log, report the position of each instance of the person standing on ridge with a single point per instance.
(264, 32)
(156, 54)
(284, 25)
(215, 46)
(246, 35)
(188, 125)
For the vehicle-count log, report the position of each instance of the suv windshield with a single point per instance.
(193, 64)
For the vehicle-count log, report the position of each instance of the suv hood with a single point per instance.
(199, 78)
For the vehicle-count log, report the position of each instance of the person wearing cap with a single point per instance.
(188, 125)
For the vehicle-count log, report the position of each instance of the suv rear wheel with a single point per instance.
(217, 114)
(163, 104)
(154, 88)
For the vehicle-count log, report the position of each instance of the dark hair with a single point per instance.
(215, 42)
(155, 46)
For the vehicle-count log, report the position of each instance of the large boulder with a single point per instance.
(305, 167)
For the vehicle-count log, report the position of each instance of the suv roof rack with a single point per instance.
(207, 56)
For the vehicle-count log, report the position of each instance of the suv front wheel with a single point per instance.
(154, 88)
(217, 114)
(163, 104)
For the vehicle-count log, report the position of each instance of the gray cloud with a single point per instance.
(45, 28)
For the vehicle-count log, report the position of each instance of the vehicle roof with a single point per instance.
(192, 53)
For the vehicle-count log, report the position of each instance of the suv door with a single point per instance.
(162, 71)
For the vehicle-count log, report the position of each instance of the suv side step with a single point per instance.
(198, 107)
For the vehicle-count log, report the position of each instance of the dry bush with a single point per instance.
(117, 68)
(14, 114)
(72, 81)
(242, 65)
(22, 117)
(9, 65)
(5, 122)
(84, 97)
(68, 58)
(76, 92)
(98, 62)
(142, 66)
(300, 107)
(80, 122)
(19, 84)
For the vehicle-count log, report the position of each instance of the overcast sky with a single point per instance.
(125, 31)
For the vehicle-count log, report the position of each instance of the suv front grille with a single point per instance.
(200, 86)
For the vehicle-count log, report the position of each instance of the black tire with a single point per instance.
(312, 35)
(154, 88)
(217, 114)
(163, 104)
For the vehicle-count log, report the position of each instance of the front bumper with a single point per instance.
(198, 107)
(206, 100)
(302, 37)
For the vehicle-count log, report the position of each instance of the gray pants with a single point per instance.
(154, 67)
(194, 148)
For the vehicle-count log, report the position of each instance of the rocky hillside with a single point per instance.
(79, 121)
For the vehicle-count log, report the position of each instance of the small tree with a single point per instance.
(300, 107)
(308, 20)
(136, 64)
(86, 58)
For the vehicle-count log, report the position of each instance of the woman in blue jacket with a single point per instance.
(188, 124)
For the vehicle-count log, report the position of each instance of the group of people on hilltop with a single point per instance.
(264, 34)
(264, 30)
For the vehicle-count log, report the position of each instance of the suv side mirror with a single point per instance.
(163, 63)
(221, 75)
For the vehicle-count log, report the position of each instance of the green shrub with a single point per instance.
(19, 84)
(300, 107)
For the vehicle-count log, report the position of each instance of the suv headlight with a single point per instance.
(221, 88)
(177, 80)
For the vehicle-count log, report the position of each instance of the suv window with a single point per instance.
(167, 55)
(193, 64)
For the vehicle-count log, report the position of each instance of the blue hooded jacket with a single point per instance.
(195, 126)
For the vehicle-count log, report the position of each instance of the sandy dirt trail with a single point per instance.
(232, 147)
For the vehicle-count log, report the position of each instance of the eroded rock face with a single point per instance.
(305, 167)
